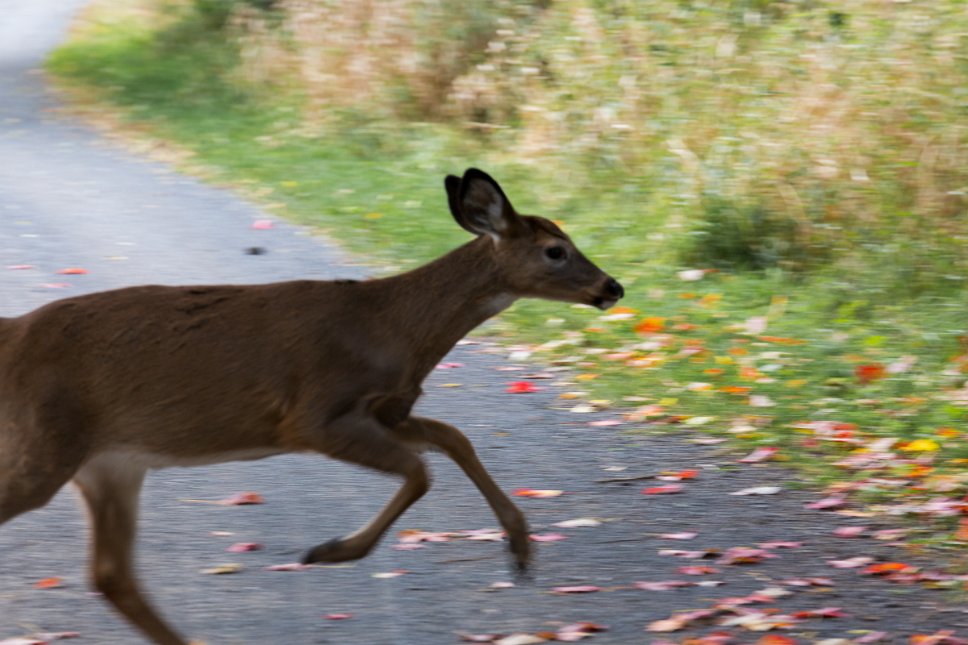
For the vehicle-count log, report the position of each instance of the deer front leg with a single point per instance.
(454, 444)
(110, 488)
(365, 441)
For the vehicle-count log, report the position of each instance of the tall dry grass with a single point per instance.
(841, 124)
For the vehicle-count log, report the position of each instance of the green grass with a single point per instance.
(376, 185)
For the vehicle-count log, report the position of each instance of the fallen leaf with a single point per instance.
(663, 585)
(537, 493)
(780, 544)
(650, 325)
(521, 387)
(685, 535)
(72, 271)
(668, 489)
(578, 631)
(389, 574)
(243, 499)
(244, 547)
(520, 639)
(477, 638)
(850, 563)
(576, 589)
(883, 568)
(870, 372)
(223, 569)
(920, 445)
(744, 555)
(49, 583)
(776, 639)
(547, 537)
(808, 582)
(834, 501)
(578, 523)
(262, 224)
(760, 454)
(697, 570)
(691, 275)
(824, 612)
(290, 566)
(850, 531)
(671, 476)
(758, 490)
(338, 616)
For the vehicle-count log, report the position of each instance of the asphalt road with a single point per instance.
(68, 199)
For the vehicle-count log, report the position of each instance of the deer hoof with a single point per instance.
(335, 550)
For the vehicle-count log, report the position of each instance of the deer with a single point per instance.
(100, 389)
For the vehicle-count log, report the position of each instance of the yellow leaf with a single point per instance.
(586, 377)
(373, 216)
(667, 402)
(921, 445)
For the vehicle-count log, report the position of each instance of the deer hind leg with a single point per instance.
(33, 466)
(366, 442)
(452, 442)
(110, 487)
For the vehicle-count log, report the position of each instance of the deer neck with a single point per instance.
(439, 303)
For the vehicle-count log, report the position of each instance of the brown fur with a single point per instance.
(100, 388)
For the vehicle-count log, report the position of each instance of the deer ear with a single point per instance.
(479, 205)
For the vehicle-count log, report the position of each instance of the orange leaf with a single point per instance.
(49, 583)
(776, 639)
(887, 567)
(531, 492)
(782, 340)
(650, 325)
(72, 271)
(962, 532)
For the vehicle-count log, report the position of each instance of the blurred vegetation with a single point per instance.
(811, 157)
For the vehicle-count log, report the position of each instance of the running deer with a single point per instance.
(101, 388)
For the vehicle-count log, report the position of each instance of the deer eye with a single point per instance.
(555, 253)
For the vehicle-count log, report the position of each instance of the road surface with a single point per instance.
(69, 199)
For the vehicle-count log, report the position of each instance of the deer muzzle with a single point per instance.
(612, 292)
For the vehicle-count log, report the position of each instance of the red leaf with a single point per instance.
(521, 387)
(668, 489)
(870, 372)
(49, 583)
(834, 501)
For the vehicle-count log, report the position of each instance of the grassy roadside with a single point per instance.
(823, 366)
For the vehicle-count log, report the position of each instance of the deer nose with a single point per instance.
(613, 288)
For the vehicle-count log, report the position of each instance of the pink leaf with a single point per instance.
(244, 547)
(576, 589)
(760, 454)
(834, 501)
(243, 499)
(262, 224)
(547, 537)
(850, 531)
(850, 563)
(338, 616)
(291, 566)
